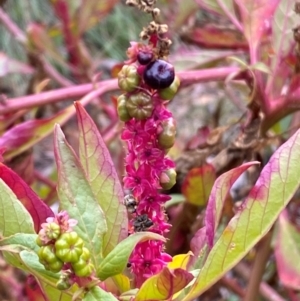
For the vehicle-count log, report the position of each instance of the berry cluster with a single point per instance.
(61, 249)
(149, 83)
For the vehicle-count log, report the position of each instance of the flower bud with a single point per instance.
(83, 267)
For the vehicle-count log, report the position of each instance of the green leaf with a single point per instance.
(21, 240)
(96, 294)
(273, 190)
(14, 218)
(115, 262)
(31, 261)
(55, 294)
(76, 197)
(103, 178)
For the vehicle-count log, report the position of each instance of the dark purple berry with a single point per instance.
(159, 74)
(144, 57)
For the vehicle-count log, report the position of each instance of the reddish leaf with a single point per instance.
(24, 135)
(164, 285)
(217, 199)
(198, 183)
(38, 210)
(211, 37)
(283, 42)
(256, 15)
(287, 251)
(198, 247)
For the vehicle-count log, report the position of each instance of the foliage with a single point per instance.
(237, 177)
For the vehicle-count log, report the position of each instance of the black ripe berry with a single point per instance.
(159, 74)
(144, 57)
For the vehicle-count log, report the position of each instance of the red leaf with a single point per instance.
(211, 37)
(38, 210)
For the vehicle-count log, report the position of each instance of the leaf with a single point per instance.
(199, 248)
(184, 11)
(283, 42)
(217, 199)
(255, 15)
(180, 261)
(96, 294)
(213, 37)
(23, 136)
(122, 282)
(103, 178)
(76, 197)
(55, 294)
(164, 285)
(115, 262)
(198, 183)
(14, 218)
(273, 190)
(287, 251)
(23, 240)
(38, 210)
(9, 65)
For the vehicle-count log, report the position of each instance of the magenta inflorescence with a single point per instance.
(149, 132)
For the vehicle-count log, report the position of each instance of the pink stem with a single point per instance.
(12, 27)
(231, 17)
(30, 101)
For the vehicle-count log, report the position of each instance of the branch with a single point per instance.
(12, 27)
(75, 92)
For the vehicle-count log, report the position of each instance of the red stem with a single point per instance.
(61, 9)
(30, 101)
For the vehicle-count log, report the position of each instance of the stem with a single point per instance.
(44, 98)
(231, 17)
(262, 256)
(30, 101)
(232, 285)
(12, 27)
(266, 290)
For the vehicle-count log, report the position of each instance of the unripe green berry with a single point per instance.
(53, 231)
(48, 258)
(169, 92)
(128, 78)
(68, 247)
(83, 267)
(121, 108)
(168, 179)
(39, 242)
(166, 138)
(139, 105)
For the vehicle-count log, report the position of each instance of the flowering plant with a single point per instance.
(114, 240)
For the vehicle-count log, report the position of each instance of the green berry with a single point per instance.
(139, 105)
(53, 231)
(166, 138)
(68, 247)
(121, 108)
(128, 78)
(169, 92)
(83, 267)
(48, 258)
(168, 179)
